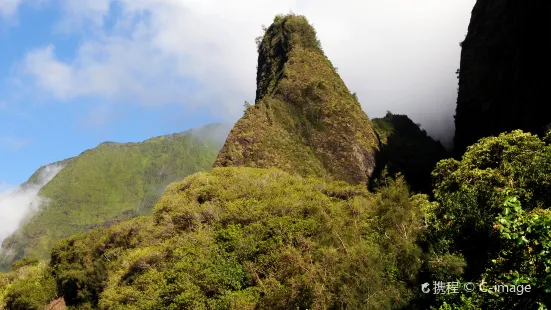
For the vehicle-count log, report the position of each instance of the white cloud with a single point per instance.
(397, 55)
(82, 11)
(17, 204)
(52, 74)
(8, 7)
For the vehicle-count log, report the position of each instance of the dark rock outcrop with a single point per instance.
(504, 79)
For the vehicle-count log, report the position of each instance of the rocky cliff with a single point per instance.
(503, 79)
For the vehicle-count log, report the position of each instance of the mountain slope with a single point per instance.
(503, 80)
(111, 183)
(407, 149)
(305, 120)
(245, 238)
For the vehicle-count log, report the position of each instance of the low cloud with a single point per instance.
(8, 8)
(19, 203)
(397, 55)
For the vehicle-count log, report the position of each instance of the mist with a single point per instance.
(20, 203)
(397, 55)
(216, 133)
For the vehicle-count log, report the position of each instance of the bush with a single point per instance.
(30, 288)
(262, 240)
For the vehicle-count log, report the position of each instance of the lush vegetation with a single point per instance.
(305, 119)
(245, 238)
(29, 286)
(492, 221)
(298, 227)
(108, 184)
(248, 238)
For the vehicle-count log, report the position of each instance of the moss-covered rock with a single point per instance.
(305, 120)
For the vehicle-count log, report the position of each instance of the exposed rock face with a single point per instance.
(305, 120)
(504, 78)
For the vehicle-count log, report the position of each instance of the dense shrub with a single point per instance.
(252, 238)
(29, 287)
(479, 218)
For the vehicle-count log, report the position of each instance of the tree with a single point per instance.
(479, 216)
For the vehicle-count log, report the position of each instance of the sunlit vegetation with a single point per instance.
(108, 184)
(244, 238)
(29, 286)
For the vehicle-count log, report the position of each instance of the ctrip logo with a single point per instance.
(425, 288)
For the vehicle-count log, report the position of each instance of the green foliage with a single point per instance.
(523, 261)
(470, 192)
(24, 262)
(305, 120)
(492, 211)
(109, 184)
(525, 258)
(27, 288)
(243, 238)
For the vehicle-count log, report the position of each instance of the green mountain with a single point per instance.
(406, 148)
(503, 80)
(305, 120)
(108, 184)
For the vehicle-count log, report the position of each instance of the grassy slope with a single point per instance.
(305, 120)
(110, 183)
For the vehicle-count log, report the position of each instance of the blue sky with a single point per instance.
(76, 73)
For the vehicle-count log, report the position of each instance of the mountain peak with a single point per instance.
(305, 120)
(288, 32)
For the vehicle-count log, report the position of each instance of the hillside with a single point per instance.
(111, 183)
(245, 238)
(305, 120)
(407, 149)
(503, 80)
